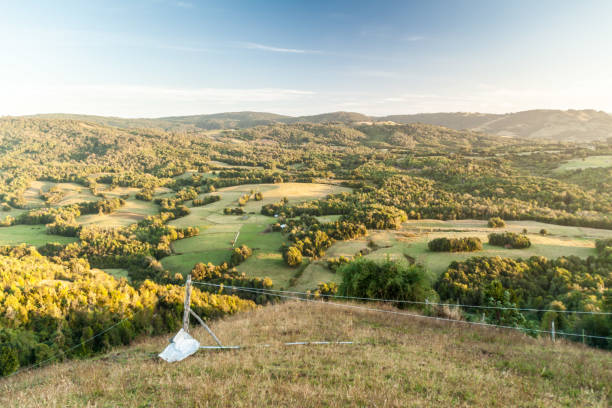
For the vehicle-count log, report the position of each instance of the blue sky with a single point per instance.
(147, 58)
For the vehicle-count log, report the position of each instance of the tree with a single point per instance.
(384, 280)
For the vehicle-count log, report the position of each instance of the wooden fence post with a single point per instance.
(187, 304)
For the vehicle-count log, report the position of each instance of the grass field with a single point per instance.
(117, 273)
(132, 212)
(588, 162)
(34, 235)
(217, 231)
(74, 193)
(395, 361)
(315, 272)
(412, 240)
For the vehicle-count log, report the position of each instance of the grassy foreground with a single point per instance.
(396, 361)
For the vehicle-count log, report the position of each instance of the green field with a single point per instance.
(217, 231)
(412, 240)
(73, 193)
(132, 212)
(586, 163)
(117, 273)
(34, 235)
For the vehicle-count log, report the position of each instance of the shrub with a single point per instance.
(543, 231)
(496, 222)
(146, 194)
(292, 256)
(9, 361)
(240, 255)
(509, 240)
(466, 244)
(326, 289)
(334, 263)
(206, 200)
(258, 196)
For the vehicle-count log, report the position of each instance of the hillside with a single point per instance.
(571, 125)
(395, 361)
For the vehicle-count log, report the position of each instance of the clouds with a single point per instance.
(269, 48)
(184, 4)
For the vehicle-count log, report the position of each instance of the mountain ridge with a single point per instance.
(559, 125)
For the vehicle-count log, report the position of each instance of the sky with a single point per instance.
(152, 58)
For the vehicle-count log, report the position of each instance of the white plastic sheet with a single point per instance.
(181, 346)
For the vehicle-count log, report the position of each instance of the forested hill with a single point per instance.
(571, 125)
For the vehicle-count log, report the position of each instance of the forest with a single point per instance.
(137, 199)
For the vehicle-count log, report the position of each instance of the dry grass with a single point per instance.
(397, 361)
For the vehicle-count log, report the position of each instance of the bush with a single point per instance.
(543, 231)
(292, 256)
(466, 244)
(334, 263)
(509, 240)
(496, 222)
(258, 196)
(233, 211)
(9, 361)
(206, 200)
(326, 289)
(240, 255)
(146, 194)
(387, 280)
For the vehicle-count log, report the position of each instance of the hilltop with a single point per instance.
(559, 125)
(395, 361)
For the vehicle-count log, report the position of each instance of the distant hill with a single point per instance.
(339, 117)
(228, 120)
(570, 125)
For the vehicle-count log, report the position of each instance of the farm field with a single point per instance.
(588, 162)
(34, 235)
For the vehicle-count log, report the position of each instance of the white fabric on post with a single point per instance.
(181, 346)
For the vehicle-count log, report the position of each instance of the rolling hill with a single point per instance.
(558, 125)
(571, 125)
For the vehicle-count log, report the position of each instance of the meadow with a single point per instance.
(34, 235)
(586, 163)
(411, 241)
(218, 231)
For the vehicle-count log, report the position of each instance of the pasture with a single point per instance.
(132, 212)
(411, 241)
(34, 235)
(117, 273)
(217, 231)
(586, 163)
(72, 193)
